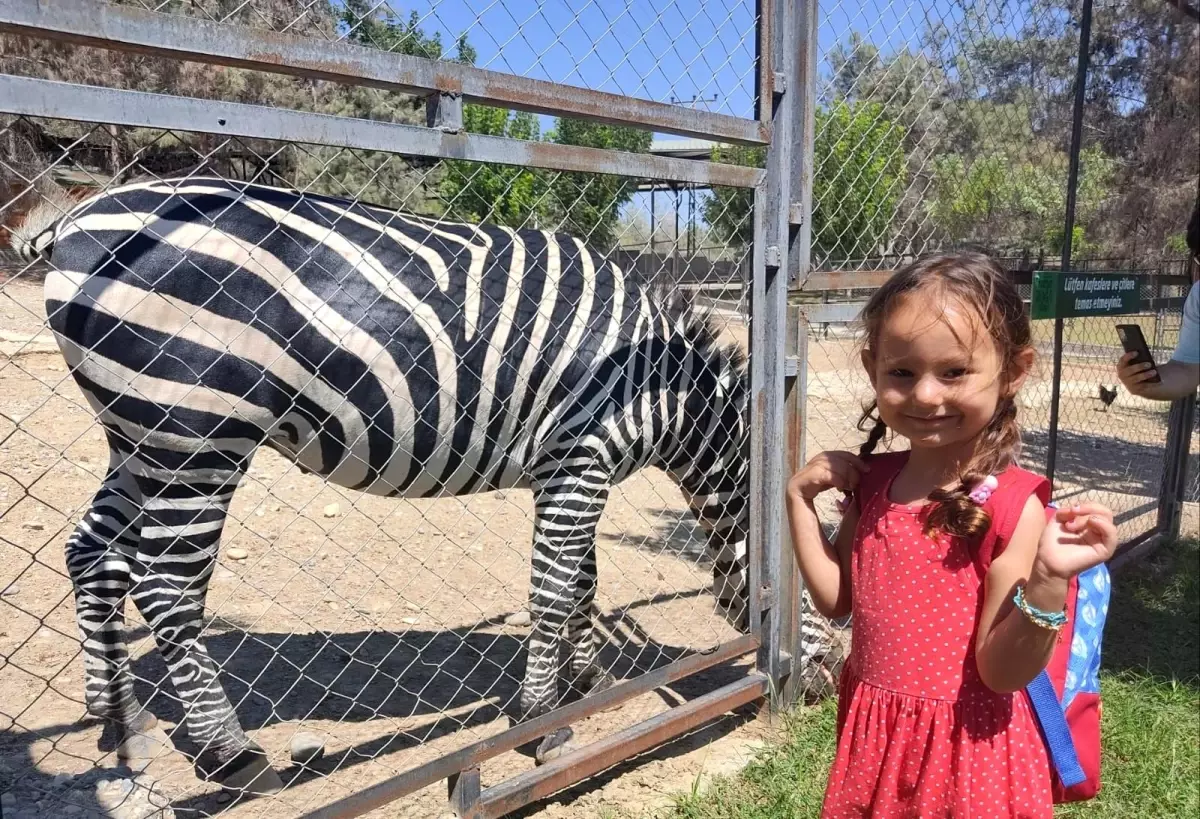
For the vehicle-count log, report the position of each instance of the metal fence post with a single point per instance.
(777, 96)
(1180, 423)
(1085, 36)
(803, 113)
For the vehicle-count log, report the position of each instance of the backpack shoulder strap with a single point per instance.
(1015, 487)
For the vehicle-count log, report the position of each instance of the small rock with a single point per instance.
(518, 618)
(223, 797)
(307, 747)
(412, 621)
(237, 554)
(61, 780)
(10, 591)
(276, 507)
(259, 512)
(332, 510)
(108, 787)
(35, 525)
(412, 606)
(333, 605)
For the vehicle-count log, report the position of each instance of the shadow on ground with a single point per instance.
(1154, 617)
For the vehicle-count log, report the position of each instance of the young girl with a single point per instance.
(931, 718)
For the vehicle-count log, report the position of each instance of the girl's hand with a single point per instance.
(1078, 538)
(828, 470)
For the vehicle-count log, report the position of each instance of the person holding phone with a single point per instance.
(1180, 376)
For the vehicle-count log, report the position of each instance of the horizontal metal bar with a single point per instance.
(845, 279)
(121, 28)
(1136, 549)
(444, 767)
(59, 100)
(573, 767)
(834, 312)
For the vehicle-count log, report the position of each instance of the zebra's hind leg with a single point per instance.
(97, 555)
(567, 509)
(183, 513)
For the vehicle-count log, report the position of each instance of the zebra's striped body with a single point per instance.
(385, 352)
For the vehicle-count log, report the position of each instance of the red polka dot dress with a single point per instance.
(919, 734)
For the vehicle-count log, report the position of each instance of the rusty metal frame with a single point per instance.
(524, 788)
(469, 758)
(122, 28)
(138, 109)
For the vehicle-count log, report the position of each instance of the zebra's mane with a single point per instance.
(697, 327)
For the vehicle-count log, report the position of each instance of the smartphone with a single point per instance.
(1134, 342)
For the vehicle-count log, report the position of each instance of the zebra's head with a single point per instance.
(709, 456)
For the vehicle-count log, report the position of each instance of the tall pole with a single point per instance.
(1081, 71)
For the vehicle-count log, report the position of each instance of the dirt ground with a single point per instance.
(380, 624)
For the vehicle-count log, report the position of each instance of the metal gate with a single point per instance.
(393, 628)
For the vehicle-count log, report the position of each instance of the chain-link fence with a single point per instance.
(388, 371)
(949, 126)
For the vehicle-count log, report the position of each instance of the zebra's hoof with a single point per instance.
(602, 682)
(250, 773)
(141, 746)
(554, 746)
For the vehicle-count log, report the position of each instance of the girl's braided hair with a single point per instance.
(975, 281)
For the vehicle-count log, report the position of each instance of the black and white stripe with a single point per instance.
(390, 353)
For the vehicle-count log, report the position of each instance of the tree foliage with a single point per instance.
(959, 136)
(857, 183)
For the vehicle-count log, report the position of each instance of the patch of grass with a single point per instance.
(1154, 618)
(1151, 746)
(1151, 729)
(786, 779)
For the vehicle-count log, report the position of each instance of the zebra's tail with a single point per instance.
(33, 237)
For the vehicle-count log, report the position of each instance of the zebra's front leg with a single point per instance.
(97, 561)
(567, 510)
(587, 675)
(181, 531)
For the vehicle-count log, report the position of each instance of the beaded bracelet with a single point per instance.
(1052, 620)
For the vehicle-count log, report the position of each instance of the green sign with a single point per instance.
(1069, 295)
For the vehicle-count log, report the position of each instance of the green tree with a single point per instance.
(372, 25)
(588, 205)
(857, 181)
(859, 164)
(504, 194)
(729, 211)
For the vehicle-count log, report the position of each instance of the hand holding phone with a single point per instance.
(1134, 342)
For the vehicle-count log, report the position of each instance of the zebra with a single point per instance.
(387, 352)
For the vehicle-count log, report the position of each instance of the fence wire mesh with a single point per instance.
(385, 631)
(948, 126)
(664, 50)
(393, 629)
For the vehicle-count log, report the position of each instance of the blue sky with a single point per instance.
(664, 50)
(655, 49)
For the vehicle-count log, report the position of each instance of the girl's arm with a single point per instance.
(824, 565)
(1010, 649)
